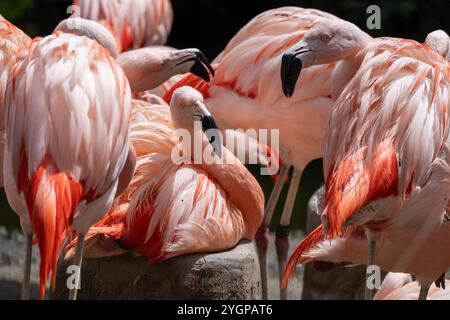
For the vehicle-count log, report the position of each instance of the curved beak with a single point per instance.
(201, 68)
(209, 127)
(212, 133)
(291, 67)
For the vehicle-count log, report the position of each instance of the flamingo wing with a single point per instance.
(169, 209)
(12, 42)
(397, 101)
(66, 144)
(134, 24)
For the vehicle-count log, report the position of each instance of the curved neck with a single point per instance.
(242, 188)
(148, 68)
(243, 191)
(343, 73)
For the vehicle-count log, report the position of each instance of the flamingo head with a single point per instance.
(187, 107)
(328, 41)
(439, 41)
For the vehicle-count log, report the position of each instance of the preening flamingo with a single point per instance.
(386, 160)
(134, 23)
(67, 145)
(244, 94)
(439, 41)
(173, 208)
(146, 68)
(149, 68)
(400, 286)
(12, 42)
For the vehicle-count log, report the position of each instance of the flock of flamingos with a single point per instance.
(88, 115)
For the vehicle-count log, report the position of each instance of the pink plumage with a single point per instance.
(134, 23)
(66, 145)
(171, 209)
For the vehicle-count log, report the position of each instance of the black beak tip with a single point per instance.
(212, 133)
(202, 68)
(291, 67)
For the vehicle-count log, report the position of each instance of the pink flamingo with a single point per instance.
(245, 95)
(149, 70)
(439, 41)
(400, 286)
(134, 23)
(174, 208)
(12, 42)
(67, 149)
(386, 159)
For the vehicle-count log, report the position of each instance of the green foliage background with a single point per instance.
(209, 24)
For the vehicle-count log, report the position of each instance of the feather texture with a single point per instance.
(66, 145)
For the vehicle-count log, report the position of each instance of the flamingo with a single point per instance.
(386, 156)
(439, 41)
(67, 146)
(134, 23)
(12, 42)
(244, 95)
(174, 208)
(149, 69)
(400, 286)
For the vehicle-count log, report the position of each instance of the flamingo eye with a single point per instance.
(324, 37)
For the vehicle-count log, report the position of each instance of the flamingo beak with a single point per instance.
(212, 133)
(201, 68)
(291, 67)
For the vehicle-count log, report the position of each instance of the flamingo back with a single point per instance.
(134, 23)
(66, 144)
(397, 101)
(169, 209)
(12, 42)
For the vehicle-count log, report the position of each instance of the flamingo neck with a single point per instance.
(242, 188)
(343, 73)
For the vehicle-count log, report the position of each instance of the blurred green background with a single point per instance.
(210, 24)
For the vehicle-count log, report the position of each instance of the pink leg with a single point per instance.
(262, 237)
(282, 235)
(282, 248)
(262, 244)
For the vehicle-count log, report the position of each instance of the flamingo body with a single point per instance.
(246, 84)
(386, 165)
(66, 145)
(134, 23)
(12, 42)
(173, 209)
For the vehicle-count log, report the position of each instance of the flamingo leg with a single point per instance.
(282, 234)
(78, 260)
(262, 237)
(27, 267)
(369, 293)
(424, 292)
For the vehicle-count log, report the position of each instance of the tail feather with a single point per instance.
(357, 182)
(298, 256)
(52, 200)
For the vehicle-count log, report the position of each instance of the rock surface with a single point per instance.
(222, 276)
(12, 258)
